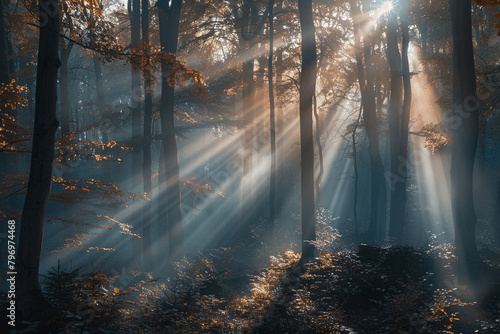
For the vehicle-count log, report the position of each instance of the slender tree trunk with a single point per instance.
(135, 38)
(101, 101)
(377, 189)
(356, 175)
(307, 89)
(163, 226)
(395, 105)
(280, 143)
(29, 295)
(4, 62)
(247, 209)
(135, 218)
(146, 147)
(320, 152)
(272, 180)
(65, 51)
(377, 179)
(169, 33)
(465, 119)
(405, 124)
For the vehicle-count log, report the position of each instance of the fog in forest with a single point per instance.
(249, 166)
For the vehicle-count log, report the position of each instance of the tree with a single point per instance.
(400, 188)
(146, 141)
(169, 16)
(4, 62)
(272, 179)
(30, 299)
(465, 135)
(399, 118)
(248, 23)
(134, 11)
(307, 90)
(365, 79)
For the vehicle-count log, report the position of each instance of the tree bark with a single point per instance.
(280, 129)
(4, 62)
(135, 38)
(465, 134)
(135, 219)
(65, 51)
(169, 33)
(101, 102)
(395, 105)
(377, 189)
(30, 299)
(405, 124)
(307, 89)
(247, 205)
(356, 176)
(146, 146)
(272, 179)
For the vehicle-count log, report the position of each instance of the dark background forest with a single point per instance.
(250, 166)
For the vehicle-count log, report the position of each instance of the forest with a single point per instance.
(250, 166)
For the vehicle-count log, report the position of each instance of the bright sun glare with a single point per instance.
(386, 6)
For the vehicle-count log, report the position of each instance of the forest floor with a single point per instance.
(368, 290)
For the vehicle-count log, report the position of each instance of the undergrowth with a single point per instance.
(369, 290)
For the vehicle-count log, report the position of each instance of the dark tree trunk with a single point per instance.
(4, 62)
(377, 189)
(135, 219)
(169, 33)
(146, 147)
(30, 297)
(395, 105)
(65, 51)
(320, 151)
(272, 179)
(280, 151)
(376, 230)
(400, 189)
(465, 134)
(247, 207)
(356, 176)
(399, 119)
(135, 38)
(101, 102)
(307, 89)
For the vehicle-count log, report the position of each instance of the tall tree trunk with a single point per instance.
(356, 176)
(395, 105)
(377, 189)
(307, 89)
(101, 101)
(400, 188)
(280, 152)
(135, 38)
(65, 51)
(247, 206)
(377, 178)
(135, 219)
(272, 179)
(29, 298)
(146, 147)
(169, 33)
(465, 135)
(320, 151)
(4, 62)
